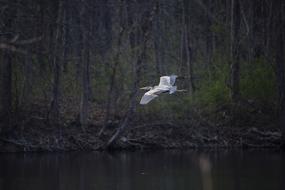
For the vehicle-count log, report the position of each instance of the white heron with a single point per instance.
(166, 84)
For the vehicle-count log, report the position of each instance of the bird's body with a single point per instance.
(166, 84)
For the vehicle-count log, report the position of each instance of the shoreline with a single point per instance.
(150, 138)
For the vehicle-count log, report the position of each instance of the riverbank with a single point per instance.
(144, 136)
(222, 127)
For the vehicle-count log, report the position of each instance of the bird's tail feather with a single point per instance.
(172, 89)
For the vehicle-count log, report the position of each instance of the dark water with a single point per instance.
(173, 170)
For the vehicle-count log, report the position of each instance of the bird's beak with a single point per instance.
(145, 88)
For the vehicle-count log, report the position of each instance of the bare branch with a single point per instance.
(28, 41)
(13, 48)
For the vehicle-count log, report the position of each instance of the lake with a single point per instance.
(143, 170)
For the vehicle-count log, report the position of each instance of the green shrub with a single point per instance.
(258, 83)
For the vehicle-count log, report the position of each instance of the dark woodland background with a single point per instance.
(71, 71)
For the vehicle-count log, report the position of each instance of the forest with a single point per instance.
(71, 73)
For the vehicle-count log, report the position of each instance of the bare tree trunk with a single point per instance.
(55, 105)
(114, 70)
(268, 49)
(235, 65)
(6, 91)
(280, 64)
(42, 26)
(186, 54)
(65, 35)
(6, 75)
(27, 83)
(85, 89)
(85, 30)
(250, 38)
(209, 39)
(157, 40)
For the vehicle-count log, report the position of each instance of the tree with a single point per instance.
(6, 70)
(55, 102)
(145, 28)
(6, 90)
(186, 51)
(235, 56)
(210, 38)
(279, 58)
(158, 39)
(84, 97)
(118, 52)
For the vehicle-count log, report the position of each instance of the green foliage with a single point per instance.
(258, 81)
(218, 28)
(212, 94)
(212, 87)
(166, 107)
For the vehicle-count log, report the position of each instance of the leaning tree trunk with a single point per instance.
(132, 105)
(145, 27)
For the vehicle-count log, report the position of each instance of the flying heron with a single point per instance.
(166, 84)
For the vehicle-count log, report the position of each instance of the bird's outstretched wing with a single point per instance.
(147, 98)
(167, 80)
(164, 81)
(172, 79)
(150, 95)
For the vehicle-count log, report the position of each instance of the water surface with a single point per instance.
(175, 170)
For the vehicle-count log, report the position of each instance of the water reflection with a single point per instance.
(205, 167)
(143, 170)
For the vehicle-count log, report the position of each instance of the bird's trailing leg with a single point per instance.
(181, 78)
(182, 90)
